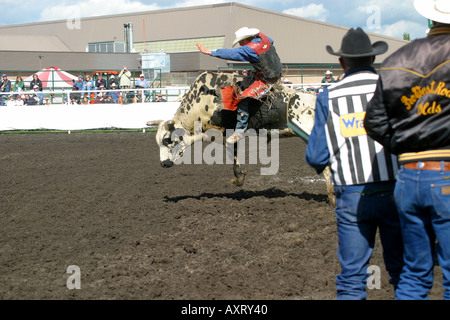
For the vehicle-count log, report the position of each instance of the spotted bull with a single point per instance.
(281, 109)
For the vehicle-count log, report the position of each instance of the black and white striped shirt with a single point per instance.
(355, 158)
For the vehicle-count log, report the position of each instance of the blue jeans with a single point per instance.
(423, 201)
(242, 115)
(360, 211)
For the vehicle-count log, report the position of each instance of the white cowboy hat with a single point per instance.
(435, 10)
(244, 33)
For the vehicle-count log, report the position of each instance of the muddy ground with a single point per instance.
(102, 202)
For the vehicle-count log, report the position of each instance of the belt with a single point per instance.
(427, 165)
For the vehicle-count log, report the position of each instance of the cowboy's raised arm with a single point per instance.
(203, 49)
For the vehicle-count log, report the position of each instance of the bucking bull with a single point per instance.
(210, 102)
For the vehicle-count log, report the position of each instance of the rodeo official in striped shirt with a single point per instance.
(410, 115)
(362, 171)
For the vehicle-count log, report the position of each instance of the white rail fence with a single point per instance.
(63, 115)
(65, 96)
(81, 117)
(57, 110)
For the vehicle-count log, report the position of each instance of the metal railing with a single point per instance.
(120, 96)
(52, 79)
(300, 71)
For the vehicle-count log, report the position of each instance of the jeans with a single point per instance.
(423, 201)
(242, 115)
(360, 211)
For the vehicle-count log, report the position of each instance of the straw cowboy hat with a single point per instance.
(356, 44)
(435, 10)
(244, 33)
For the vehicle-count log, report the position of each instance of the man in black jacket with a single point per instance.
(410, 116)
(36, 81)
(5, 86)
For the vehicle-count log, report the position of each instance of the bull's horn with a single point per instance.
(154, 123)
(169, 125)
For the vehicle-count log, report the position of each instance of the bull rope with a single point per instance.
(266, 98)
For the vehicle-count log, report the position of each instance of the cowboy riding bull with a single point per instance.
(222, 101)
(211, 101)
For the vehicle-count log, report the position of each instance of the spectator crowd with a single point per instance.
(85, 90)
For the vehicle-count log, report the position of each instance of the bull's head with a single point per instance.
(172, 141)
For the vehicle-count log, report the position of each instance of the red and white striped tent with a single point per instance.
(53, 78)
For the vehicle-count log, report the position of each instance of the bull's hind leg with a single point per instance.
(239, 174)
(330, 187)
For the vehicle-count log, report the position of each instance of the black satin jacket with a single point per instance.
(410, 111)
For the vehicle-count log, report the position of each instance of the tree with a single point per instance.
(406, 36)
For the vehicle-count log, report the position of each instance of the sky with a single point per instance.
(387, 17)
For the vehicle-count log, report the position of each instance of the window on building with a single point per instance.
(181, 45)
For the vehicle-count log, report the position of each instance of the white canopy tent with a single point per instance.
(53, 78)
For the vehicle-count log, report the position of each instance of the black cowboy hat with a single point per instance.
(356, 44)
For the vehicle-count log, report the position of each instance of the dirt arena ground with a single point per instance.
(137, 231)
